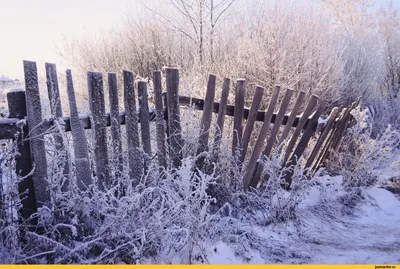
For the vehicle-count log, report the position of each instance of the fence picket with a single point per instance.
(248, 130)
(291, 118)
(82, 161)
(174, 120)
(238, 116)
(99, 124)
(159, 110)
(322, 137)
(144, 119)
(132, 129)
(38, 151)
(56, 111)
(115, 125)
(304, 117)
(301, 146)
(221, 118)
(252, 164)
(207, 115)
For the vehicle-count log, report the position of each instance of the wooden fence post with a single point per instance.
(161, 150)
(23, 163)
(56, 110)
(99, 125)
(144, 119)
(38, 151)
(238, 116)
(174, 120)
(115, 124)
(82, 162)
(132, 129)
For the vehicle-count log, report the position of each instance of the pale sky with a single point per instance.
(31, 29)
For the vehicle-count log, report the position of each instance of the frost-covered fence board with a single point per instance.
(252, 164)
(277, 124)
(306, 113)
(98, 115)
(56, 111)
(38, 151)
(322, 138)
(238, 116)
(132, 129)
(115, 124)
(174, 122)
(23, 163)
(292, 118)
(159, 110)
(219, 128)
(328, 144)
(344, 125)
(302, 145)
(248, 130)
(274, 132)
(144, 121)
(207, 115)
(82, 162)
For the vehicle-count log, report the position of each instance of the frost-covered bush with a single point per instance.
(362, 156)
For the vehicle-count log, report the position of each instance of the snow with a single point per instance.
(369, 236)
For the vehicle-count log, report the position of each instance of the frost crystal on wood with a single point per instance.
(83, 173)
(99, 124)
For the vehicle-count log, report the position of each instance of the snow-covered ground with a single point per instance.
(370, 235)
(367, 233)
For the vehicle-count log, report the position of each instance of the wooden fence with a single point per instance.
(275, 130)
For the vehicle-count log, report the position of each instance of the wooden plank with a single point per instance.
(132, 129)
(144, 122)
(277, 124)
(159, 110)
(238, 116)
(221, 118)
(290, 122)
(310, 106)
(23, 163)
(318, 146)
(115, 124)
(302, 145)
(98, 113)
(207, 115)
(328, 143)
(174, 121)
(56, 111)
(251, 166)
(82, 161)
(258, 94)
(274, 132)
(38, 151)
(344, 127)
(198, 104)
